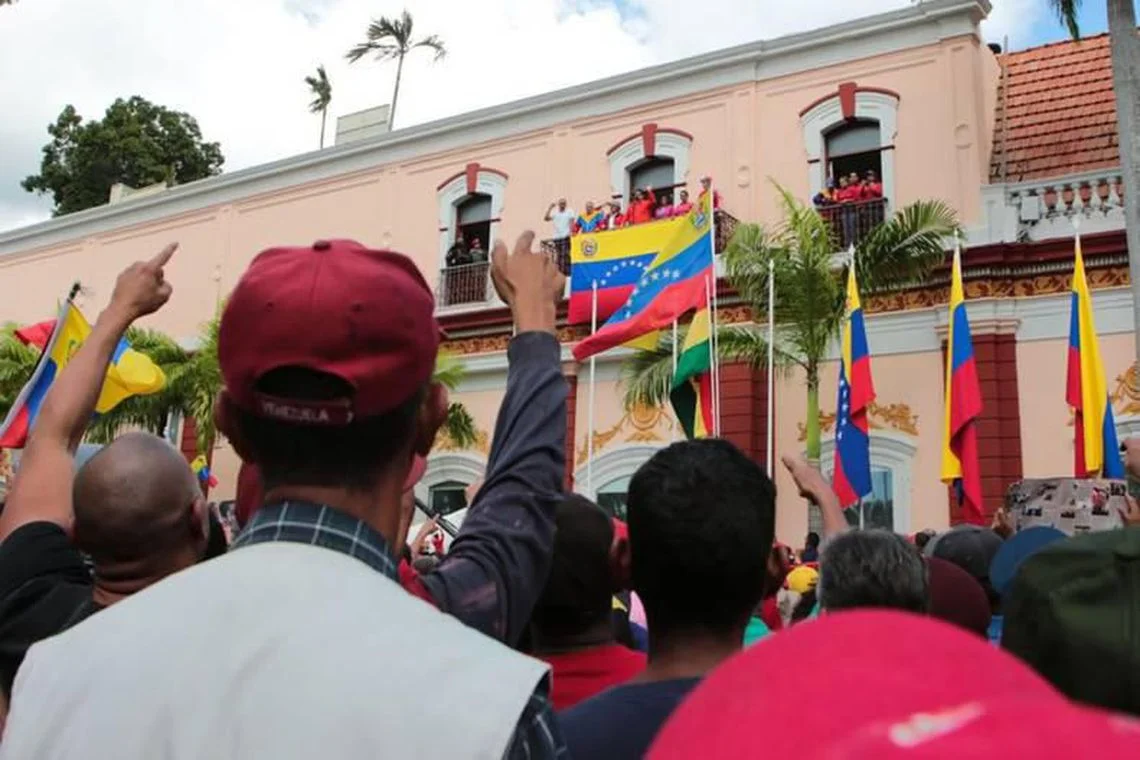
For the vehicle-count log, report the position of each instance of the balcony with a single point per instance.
(851, 222)
(1047, 208)
(464, 284)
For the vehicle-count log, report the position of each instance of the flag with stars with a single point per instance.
(615, 260)
(851, 475)
(672, 284)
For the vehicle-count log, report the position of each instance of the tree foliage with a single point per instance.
(136, 143)
(391, 39)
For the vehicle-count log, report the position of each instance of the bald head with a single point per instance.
(137, 502)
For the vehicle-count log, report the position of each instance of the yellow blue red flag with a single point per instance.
(960, 464)
(672, 284)
(129, 373)
(851, 475)
(1097, 452)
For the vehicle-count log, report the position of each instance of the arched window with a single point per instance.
(448, 497)
(473, 219)
(854, 148)
(612, 497)
(657, 173)
(888, 506)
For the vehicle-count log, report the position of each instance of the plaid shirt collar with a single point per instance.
(318, 525)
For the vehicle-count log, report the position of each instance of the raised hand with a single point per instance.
(141, 288)
(528, 282)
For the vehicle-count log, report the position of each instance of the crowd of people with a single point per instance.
(851, 188)
(130, 630)
(850, 205)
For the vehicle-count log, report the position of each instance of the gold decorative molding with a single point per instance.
(1126, 396)
(443, 442)
(640, 425)
(879, 417)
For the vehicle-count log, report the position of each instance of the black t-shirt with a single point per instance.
(622, 722)
(45, 588)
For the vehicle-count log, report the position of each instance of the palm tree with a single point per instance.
(321, 89)
(810, 297)
(391, 39)
(1125, 46)
(17, 362)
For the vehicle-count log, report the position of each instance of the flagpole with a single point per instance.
(590, 401)
(669, 385)
(771, 357)
(713, 315)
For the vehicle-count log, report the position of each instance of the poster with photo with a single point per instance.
(1071, 505)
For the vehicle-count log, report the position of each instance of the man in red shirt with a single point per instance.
(872, 188)
(684, 206)
(641, 209)
(614, 219)
(572, 628)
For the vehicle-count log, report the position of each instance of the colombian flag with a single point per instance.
(851, 475)
(1096, 450)
(615, 260)
(672, 283)
(129, 373)
(963, 405)
(692, 383)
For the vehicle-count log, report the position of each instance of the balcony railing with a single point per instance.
(467, 283)
(725, 227)
(851, 222)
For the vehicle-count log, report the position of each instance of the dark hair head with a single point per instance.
(352, 456)
(872, 568)
(812, 540)
(701, 521)
(579, 590)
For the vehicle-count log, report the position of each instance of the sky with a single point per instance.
(238, 67)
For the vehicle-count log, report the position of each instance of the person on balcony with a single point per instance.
(872, 187)
(706, 185)
(664, 209)
(561, 218)
(684, 206)
(590, 220)
(826, 196)
(641, 209)
(614, 219)
(478, 253)
(458, 255)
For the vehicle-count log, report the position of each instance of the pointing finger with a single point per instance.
(163, 256)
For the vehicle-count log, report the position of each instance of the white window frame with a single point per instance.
(449, 197)
(619, 462)
(669, 144)
(870, 105)
(890, 451)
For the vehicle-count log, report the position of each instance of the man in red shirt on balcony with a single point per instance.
(872, 188)
(684, 206)
(615, 219)
(641, 209)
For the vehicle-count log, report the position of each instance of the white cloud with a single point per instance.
(238, 66)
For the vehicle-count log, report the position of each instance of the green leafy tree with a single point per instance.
(321, 89)
(136, 143)
(1125, 45)
(810, 292)
(17, 362)
(391, 39)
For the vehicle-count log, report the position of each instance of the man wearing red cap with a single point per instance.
(327, 354)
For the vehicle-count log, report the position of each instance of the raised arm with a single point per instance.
(549, 210)
(815, 489)
(496, 566)
(42, 488)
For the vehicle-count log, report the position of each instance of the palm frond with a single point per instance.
(321, 88)
(1067, 13)
(434, 43)
(449, 371)
(905, 247)
(460, 426)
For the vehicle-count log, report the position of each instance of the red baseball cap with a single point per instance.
(878, 683)
(364, 316)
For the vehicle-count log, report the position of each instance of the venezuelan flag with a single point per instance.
(851, 475)
(615, 260)
(692, 393)
(129, 374)
(1095, 446)
(963, 405)
(672, 284)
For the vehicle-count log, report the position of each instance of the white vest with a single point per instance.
(275, 650)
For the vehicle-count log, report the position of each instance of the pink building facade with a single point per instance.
(915, 94)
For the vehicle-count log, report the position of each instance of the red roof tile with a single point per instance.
(1061, 111)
